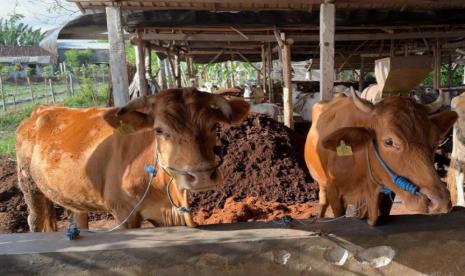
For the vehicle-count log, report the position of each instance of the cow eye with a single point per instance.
(388, 142)
(158, 130)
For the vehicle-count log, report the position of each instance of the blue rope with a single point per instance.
(401, 182)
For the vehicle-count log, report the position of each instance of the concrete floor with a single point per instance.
(431, 245)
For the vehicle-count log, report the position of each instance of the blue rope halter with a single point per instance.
(401, 182)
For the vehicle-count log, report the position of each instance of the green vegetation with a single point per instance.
(7, 145)
(88, 97)
(15, 33)
(76, 58)
(456, 79)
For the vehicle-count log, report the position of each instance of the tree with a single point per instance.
(15, 33)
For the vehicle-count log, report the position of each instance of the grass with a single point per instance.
(88, 94)
(7, 145)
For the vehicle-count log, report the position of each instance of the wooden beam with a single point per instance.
(287, 81)
(118, 66)
(327, 28)
(240, 33)
(148, 61)
(302, 37)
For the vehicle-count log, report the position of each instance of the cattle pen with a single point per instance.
(397, 42)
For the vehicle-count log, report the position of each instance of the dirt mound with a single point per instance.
(254, 209)
(13, 209)
(262, 159)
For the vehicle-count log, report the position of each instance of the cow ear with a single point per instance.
(355, 137)
(444, 121)
(239, 110)
(128, 122)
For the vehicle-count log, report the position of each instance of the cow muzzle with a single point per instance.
(200, 180)
(436, 202)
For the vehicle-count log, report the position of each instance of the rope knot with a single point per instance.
(183, 210)
(73, 232)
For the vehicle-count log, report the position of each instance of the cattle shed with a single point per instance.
(335, 35)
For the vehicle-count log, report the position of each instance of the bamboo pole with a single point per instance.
(30, 88)
(3, 94)
(51, 90)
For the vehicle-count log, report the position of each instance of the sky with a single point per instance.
(37, 13)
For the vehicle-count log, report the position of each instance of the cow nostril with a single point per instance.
(191, 178)
(214, 175)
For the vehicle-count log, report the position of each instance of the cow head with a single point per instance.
(406, 138)
(185, 124)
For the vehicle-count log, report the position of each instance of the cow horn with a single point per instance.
(363, 105)
(436, 105)
(220, 103)
(134, 104)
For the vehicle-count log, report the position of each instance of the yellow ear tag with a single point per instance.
(343, 149)
(124, 128)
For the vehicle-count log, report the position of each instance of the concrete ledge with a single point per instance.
(424, 244)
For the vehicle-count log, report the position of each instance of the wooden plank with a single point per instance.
(327, 29)
(287, 80)
(118, 66)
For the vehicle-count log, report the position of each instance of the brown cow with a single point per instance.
(93, 159)
(405, 138)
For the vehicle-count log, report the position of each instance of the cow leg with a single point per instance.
(42, 216)
(336, 201)
(385, 204)
(81, 219)
(323, 202)
(373, 209)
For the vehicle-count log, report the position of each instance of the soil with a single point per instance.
(13, 209)
(262, 159)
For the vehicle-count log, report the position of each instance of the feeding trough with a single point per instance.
(401, 74)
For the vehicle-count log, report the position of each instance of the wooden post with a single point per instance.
(269, 69)
(437, 66)
(51, 90)
(327, 22)
(263, 76)
(3, 94)
(162, 73)
(177, 69)
(191, 72)
(148, 61)
(361, 77)
(287, 80)
(118, 66)
(140, 66)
